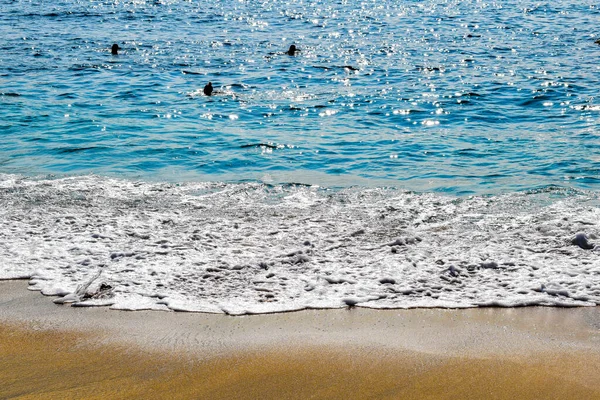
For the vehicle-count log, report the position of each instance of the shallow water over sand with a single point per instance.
(251, 248)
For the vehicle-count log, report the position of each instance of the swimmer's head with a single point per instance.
(292, 51)
(208, 89)
(115, 49)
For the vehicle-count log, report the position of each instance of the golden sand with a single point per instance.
(52, 364)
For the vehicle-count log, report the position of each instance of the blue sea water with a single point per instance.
(435, 153)
(461, 97)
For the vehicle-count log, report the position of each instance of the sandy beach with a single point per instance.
(281, 199)
(51, 351)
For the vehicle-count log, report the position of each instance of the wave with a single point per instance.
(253, 248)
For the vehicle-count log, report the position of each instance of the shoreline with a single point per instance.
(225, 248)
(356, 353)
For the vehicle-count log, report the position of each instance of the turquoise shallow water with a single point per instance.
(460, 97)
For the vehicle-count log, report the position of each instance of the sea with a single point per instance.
(435, 153)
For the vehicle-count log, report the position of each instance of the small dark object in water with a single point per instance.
(208, 89)
(453, 271)
(267, 145)
(597, 41)
(581, 240)
(292, 51)
(115, 49)
(351, 303)
(104, 287)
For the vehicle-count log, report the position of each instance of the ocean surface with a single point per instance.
(411, 154)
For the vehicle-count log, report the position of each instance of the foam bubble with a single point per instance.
(255, 248)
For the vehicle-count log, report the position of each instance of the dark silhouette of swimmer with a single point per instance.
(208, 89)
(292, 51)
(115, 49)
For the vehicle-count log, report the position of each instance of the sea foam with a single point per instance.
(254, 248)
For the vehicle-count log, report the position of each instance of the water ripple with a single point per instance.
(460, 96)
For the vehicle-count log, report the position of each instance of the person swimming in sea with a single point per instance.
(115, 49)
(292, 51)
(208, 89)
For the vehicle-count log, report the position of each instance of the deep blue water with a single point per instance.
(459, 97)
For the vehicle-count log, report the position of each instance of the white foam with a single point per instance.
(252, 248)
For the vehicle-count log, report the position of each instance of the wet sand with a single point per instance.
(50, 351)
